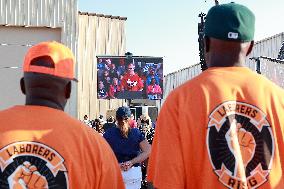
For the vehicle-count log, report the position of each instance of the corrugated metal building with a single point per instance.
(27, 22)
(175, 79)
(98, 35)
(267, 51)
(273, 69)
(268, 47)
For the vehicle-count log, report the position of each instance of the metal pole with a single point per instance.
(257, 60)
(201, 41)
(258, 65)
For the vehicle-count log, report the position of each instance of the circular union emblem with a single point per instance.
(240, 145)
(28, 165)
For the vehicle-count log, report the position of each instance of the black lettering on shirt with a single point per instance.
(9, 153)
(248, 111)
(252, 182)
(52, 155)
(231, 182)
(35, 148)
(222, 113)
(237, 108)
(254, 112)
(243, 109)
(46, 153)
(40, 151)
(28, 148)
(22, 148)
(15, 150)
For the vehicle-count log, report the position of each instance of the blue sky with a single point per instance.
(169, 28)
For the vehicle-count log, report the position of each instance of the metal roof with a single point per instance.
(103, 15)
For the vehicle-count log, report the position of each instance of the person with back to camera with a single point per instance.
(110, 123)
(129, 146)
(41, 146)
(231, 134)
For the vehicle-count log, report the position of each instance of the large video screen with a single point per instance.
(122, 77)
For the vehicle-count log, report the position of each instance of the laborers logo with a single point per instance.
(240, 145)
(27, 165)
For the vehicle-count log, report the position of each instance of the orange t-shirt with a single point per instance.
(42, 147)
(222, 129)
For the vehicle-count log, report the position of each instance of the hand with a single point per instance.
(26, 176)
(242, 145)
(125, 166)
(122, 166)
(246, 143)
(128, 165)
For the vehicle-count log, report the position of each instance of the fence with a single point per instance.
(175, 79)
(273, 69)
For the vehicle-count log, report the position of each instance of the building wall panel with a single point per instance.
(175, 79)
(98, 35)
(13, 48)
(60, 14)
(268, 47)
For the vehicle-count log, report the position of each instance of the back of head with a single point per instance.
(230, 22)
(48, 71)
(229, 32)
(110, 119)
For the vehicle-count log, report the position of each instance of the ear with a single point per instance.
(250, 48)
(22, 84)
(68, 90)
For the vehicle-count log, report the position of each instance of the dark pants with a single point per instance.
(144, 165)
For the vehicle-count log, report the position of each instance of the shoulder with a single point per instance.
(137, 135)
(135, 130)
(110, 132)
(8, 111)
(112, 129)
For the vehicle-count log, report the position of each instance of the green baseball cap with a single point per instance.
(230, 22)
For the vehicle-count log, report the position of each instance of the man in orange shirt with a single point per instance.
(41, 146)
(224, 128)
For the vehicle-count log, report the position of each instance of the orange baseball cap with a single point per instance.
(62, 60)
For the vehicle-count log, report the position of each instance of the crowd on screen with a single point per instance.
(120, 76)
